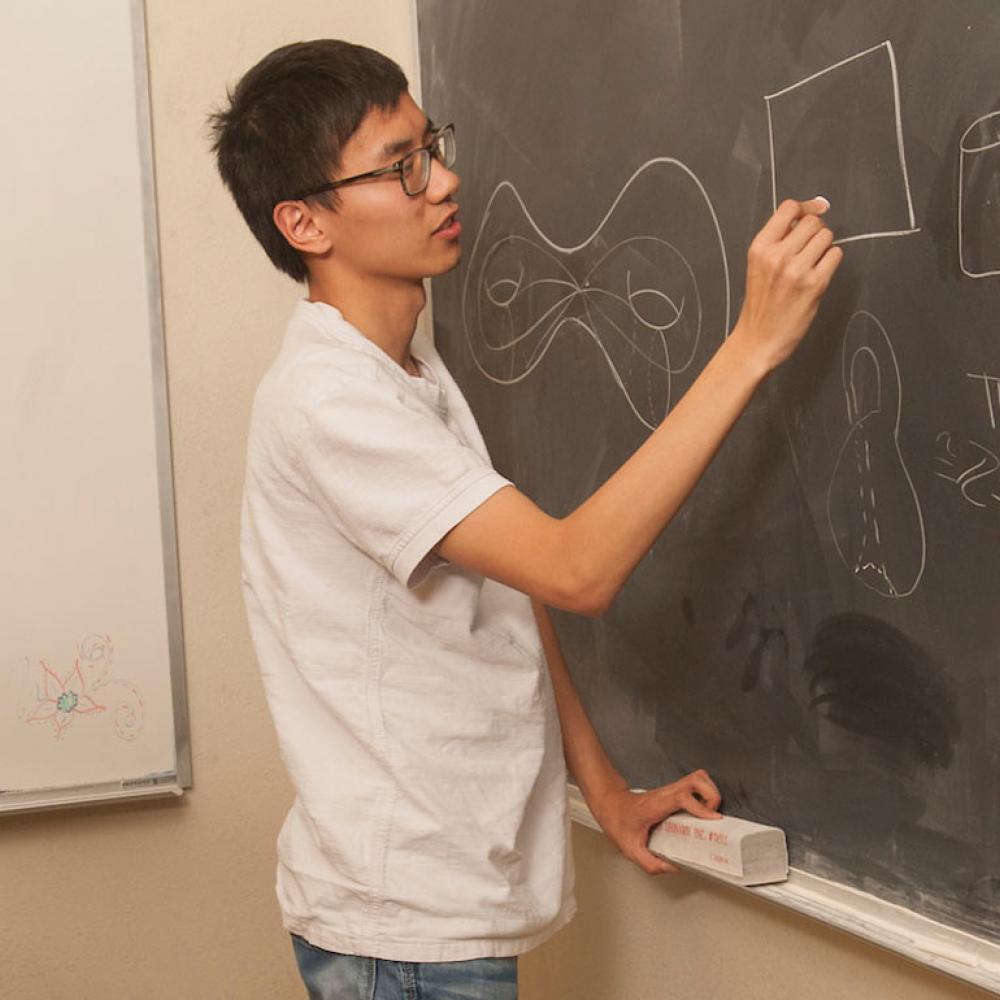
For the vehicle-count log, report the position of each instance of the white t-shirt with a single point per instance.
(413, 706)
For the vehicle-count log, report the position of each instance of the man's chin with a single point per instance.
(449, 264)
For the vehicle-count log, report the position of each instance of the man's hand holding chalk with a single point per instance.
(789, 266)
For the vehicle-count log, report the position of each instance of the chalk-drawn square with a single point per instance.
(838, 134)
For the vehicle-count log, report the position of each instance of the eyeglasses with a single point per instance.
(414, 169)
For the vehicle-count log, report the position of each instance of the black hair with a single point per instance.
(286, 123)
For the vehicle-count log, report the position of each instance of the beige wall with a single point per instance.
(683, 937)
(169, 900)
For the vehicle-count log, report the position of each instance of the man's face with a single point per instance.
(379, 231)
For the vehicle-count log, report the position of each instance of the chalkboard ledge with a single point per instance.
(964, 956)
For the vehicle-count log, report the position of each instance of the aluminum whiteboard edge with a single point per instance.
(956, 953)
(164, 464)
(157, 786)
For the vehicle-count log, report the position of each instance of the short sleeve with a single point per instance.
(390, 473)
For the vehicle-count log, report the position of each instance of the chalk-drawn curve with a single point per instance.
(979, 166)
(886, 554)
(638, 297)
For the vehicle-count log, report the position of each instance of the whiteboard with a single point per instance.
(92, 701)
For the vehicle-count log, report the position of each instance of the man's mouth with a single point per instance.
(450, 228)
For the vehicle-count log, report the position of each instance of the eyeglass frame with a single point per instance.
(395, 168)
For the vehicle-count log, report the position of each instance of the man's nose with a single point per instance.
(443, 183)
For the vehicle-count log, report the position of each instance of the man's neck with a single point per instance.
(385, 313)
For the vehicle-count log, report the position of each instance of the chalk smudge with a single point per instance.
(871, 680)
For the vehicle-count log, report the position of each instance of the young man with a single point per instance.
(396, 584)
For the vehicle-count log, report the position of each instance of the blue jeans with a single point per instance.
(328, 975)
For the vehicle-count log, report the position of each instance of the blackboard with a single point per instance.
(818, 627)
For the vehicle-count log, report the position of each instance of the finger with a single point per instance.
(653, 864)
(808, 226)
(816, 206)
(698, 808)
(786, 214)
(789, 215)
(828, 264)
(816, 247)
(707, 789)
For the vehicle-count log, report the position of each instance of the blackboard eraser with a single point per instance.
(734, 849)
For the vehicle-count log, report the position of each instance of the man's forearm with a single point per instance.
(610, 532)
(586, 760)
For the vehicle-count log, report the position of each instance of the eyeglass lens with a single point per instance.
(416, 172)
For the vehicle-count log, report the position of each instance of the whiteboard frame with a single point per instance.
(170, 782)
(956, 953)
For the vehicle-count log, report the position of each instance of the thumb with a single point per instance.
(653, 864)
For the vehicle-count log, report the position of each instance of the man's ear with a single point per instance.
(303, 227)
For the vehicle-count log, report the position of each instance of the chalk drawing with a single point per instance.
(975, 469)
(979, 198)
(849, 108)
(873, 510)
(636, 294)
(991, 386)
(87, 689)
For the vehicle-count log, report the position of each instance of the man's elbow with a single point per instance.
(581, 594)
(593, 605)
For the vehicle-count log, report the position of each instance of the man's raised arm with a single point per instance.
(580, 562)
